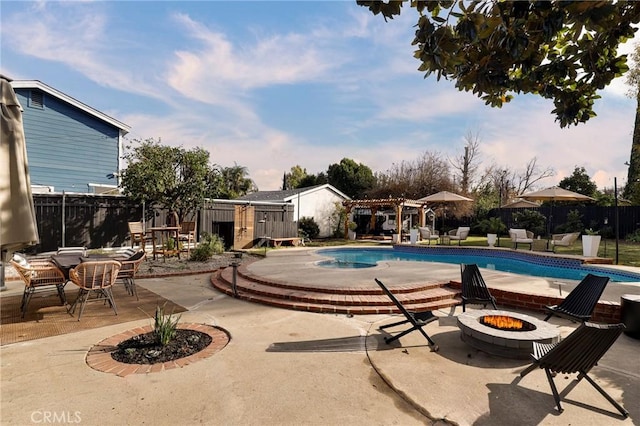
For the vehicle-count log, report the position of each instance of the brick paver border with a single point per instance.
(99, 356)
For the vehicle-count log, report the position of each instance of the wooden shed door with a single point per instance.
(243, 227)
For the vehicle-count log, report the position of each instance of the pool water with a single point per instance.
(504, 261)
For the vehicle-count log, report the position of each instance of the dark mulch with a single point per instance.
(144, 349)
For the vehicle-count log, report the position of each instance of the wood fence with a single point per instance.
(100, 221)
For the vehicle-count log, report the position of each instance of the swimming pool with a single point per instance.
(500, 260)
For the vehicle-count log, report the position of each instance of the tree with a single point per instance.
(170, 177)
(632, 188)
(579, 182)
(235, 182)
(415, 179)
(313, 180)
(351, 178)
(294, 177)
(561, 50)
(467, 164)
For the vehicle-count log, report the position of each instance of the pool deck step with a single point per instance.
(416, 298)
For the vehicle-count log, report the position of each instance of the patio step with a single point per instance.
(417, 297)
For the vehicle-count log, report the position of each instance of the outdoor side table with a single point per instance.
(444, 239)
(630, 314)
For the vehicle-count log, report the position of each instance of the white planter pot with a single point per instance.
(395, 238)
(413, 236)
(491, 239)
(352, 235)
(590, 245)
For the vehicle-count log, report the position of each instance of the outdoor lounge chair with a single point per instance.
(38, 276)
(474, 289)
(427, 235)
(459, 234)
(416, 319)
(94, 277)
(563, 240)
(577, 353)
(521, 236)
(581, 301)
(128, 271)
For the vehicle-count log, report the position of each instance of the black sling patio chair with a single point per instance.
(416, 319)
(474, 289)
(579, 304)
(577, 353)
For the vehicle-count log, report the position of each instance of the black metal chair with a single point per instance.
(474, 289)
(577, 353)
(416, 319)
(579, 304)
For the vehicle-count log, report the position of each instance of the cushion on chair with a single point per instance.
(136, 256)
(21, 260)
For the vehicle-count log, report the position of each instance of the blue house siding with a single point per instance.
(67, 147)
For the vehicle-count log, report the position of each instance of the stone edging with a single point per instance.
(99, 356)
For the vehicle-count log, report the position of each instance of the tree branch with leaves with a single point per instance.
(560, 50)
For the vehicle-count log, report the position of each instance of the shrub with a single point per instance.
(308, 227)
(164, 326)
(634, 237)
(573, 223)
(492, 225)
(531, 221)
(208, 246)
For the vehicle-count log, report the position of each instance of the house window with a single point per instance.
(36, 99)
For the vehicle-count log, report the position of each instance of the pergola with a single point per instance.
(397, 204)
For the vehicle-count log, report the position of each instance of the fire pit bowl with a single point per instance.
(503, 333)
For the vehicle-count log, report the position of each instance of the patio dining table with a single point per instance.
(66, 262)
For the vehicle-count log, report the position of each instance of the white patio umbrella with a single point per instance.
(444, 197)
(17, 216)
(553, 194)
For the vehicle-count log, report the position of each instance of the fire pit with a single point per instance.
(503, 333)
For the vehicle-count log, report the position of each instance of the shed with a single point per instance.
(318, 202)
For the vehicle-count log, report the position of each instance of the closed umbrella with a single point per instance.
(17, 216)
(553, 194)
(444, 197)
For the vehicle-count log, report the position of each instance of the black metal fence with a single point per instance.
(598, 218)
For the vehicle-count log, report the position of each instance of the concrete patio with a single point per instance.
(285, 367)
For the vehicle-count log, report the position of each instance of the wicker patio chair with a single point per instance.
(128, 271)
(521, 236)
(563, 240)
(474, 289)
(38, 276)
(416, 319)
(460, 234)
(80, 251)
(581, 301)
(577, 353)
(94, 277)
(427, 234)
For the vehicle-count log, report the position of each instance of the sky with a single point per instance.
(269, 85)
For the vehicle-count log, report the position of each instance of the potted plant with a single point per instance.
(413, 235)
(590, 243)
(352, 230)
(492, 226)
